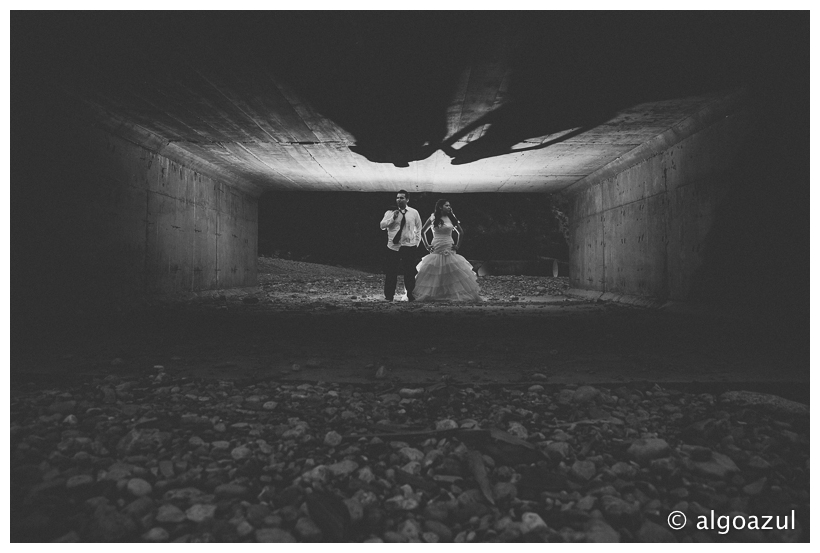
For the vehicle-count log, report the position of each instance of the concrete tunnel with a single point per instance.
(140, 143)
(149, 401)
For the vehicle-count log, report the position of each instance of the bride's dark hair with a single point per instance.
(437, 222)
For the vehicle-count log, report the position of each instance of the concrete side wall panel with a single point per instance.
(588, 201)
(655, 217)
(709, 152)
(691, 215)
(587, 261)
(205, 252)
(162, 227)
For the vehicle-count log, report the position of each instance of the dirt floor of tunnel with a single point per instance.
(557, 339)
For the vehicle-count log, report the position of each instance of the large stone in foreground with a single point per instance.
(769, 402)
(719, 466)
(646, 449)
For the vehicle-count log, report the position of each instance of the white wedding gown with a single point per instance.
(444, 274)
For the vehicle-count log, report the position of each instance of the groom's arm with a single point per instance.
(387, 219)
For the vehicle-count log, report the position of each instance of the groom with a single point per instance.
(403, 226)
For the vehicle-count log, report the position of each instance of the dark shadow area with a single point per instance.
(571, 74)
(756, 261)
(388, 78)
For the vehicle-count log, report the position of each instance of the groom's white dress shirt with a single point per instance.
(410, 234)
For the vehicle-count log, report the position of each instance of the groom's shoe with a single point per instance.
(388, 299)
(411, 297)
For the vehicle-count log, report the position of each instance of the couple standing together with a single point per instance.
(441, 275)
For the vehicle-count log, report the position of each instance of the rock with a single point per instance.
(166, 468)
(332, 439)
(644, 450)
(403, 503)
(504, 491)
(413, 467)
(244, 529)
(109, 395)
(79, 481)
(366, 475)
(696, 452)
(535, 389)
(139, 487)
(320, 473)
(270, 405)
(585, 394)
(411, 454)
(562, 449)
(343, 468)
(184, 494)
(663, 466)
(757, 462)
(394, 537)
(200, 512)
(108, 525)
(622, 470)
(411, 393)
(241, 452)
(755, 487)
(651, 532)
(619, 511)
(772, 403)
(230, 490)
(583, 470)
(156, 534)
(274, 535)
(430, 537)
(446, 424)
(170, 513)
(532, 522)
(308, 530)
(142, 441)
(718, 467)
(409, 529)
(139, 507)
(586, 503)
(70, 537)
(436, 510)
(441, 530)
(256, 514)
(518, 430)
(598, 531)
(356, 510)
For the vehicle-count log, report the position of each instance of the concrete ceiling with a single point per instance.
(360, 101)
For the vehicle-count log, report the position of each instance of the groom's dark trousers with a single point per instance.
(403, 261)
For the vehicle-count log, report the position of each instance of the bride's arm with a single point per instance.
(460, 235)
(424, 228)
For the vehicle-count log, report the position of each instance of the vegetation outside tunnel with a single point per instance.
(342, 228)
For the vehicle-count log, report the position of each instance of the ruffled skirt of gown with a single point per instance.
(445, 275)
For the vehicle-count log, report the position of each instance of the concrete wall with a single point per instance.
(98, 222)
(645, 231)
(159, 227)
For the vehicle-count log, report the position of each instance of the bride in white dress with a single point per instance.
(444, 274)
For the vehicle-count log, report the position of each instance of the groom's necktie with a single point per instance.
(397, 238)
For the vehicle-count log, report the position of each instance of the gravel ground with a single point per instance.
(225, 419)
(291, 282)
(161, 459)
